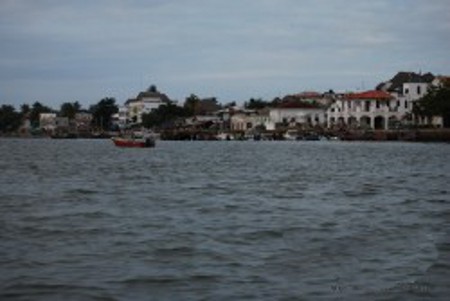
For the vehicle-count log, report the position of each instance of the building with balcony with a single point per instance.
(369, 109)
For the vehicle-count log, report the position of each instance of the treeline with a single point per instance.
(11, 119)
(102, 112)
(169, 113)
(195, 106)
(435, 103)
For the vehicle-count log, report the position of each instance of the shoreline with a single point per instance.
(411, 135)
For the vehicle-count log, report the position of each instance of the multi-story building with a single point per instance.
(145, 102)
(386, 107)
(370, 109)
(406, 88)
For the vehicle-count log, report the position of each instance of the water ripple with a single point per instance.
(82, 220)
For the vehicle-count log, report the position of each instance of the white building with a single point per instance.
(370, 109)
(145, 102)
(47, 121)
(244, 120)
(407, 88)
(121, 117)
(298, 114)
(390, 104)
(50, 122)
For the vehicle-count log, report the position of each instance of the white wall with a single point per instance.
(297, 115)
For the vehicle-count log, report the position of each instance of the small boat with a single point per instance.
(134, 140)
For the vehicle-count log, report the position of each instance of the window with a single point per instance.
(378, 104)
(367, 106)
(419, 90)
(406, 91)
(406, 104)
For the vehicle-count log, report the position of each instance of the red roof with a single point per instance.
(373, 94)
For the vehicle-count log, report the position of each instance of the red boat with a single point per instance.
(134, 142)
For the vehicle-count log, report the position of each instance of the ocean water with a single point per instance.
(84, 220)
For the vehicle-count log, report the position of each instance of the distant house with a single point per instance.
(208, 106)
(292, 112)
(245, 120)
(369, 109)
(441, 80)
(47, 122)
(83, 121)
(409, 87)
(25, 128)
(406, 88)
(120, 119)
(51, 123)
(324, 99)
(145, 102)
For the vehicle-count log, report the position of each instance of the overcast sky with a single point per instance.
(84, 50)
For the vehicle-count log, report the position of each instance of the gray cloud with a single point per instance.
(66, 50)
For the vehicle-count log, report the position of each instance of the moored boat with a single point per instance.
(133, 140)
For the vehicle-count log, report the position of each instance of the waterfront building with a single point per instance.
(82, 123)
(47, 122)
(51, 123)
(369, 109)
(406, 88)
(245, 120)
(292, 113)
(389, 106)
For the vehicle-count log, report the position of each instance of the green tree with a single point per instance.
(10, 120)
(152, 89)
(37, 109)
(192, 105)
(69, 109)
(255, 104)
(230, 104)
(102, 113)
(435, 103)
(164, 114)
(25, 109)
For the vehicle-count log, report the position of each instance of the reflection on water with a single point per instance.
(82, 219)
